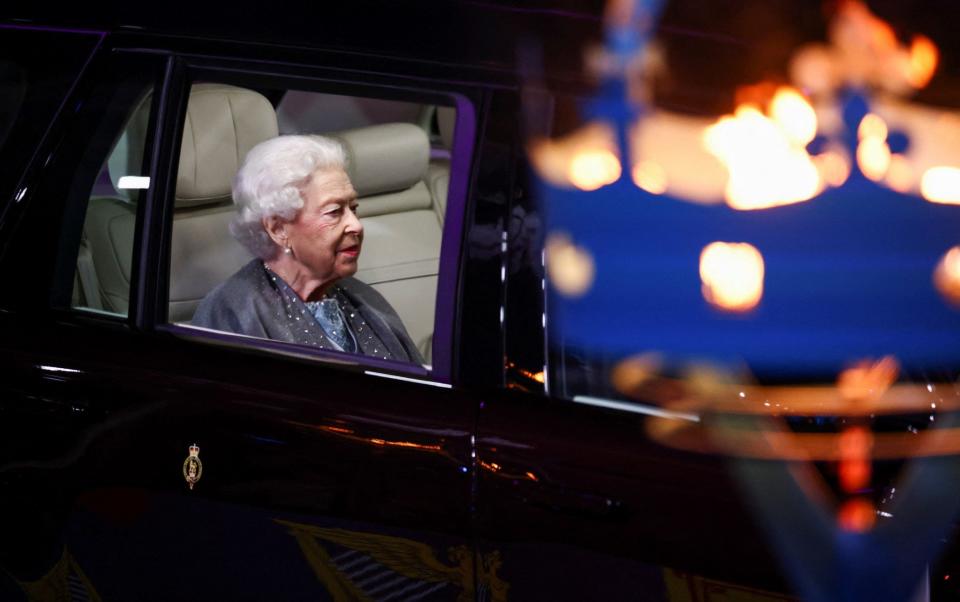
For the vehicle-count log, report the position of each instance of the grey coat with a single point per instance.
(258, 303)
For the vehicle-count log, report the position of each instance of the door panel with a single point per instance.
(305, 468)
(579, 492)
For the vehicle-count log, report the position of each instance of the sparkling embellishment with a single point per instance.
(362, 340)
(329, 316)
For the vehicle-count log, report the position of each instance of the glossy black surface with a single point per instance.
(507, 491)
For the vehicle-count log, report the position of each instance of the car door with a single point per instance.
(575, 499)
(147, 461)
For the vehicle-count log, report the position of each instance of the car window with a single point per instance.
(662, 277)
(316, 111)
(358, 269)
(105, 253)
(81, 208)
(37, 70)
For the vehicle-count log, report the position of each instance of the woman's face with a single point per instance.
(326, 235)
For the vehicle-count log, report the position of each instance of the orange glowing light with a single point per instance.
(766, 162)
(924, 57)
(873, 157)
(386, 443)
(635, 371)
(337, 429)
(569, 267)
(877, 33)
(732, 276)
(791, 111)
(863, 50)
(946, 276)
(854, 474)
(498, 470)
(941, 185)
(868, 380)
(592, 169)
(854, 445)
(586, 159)
(834, 167)
(872, 126)
(900, 175)
(649, 176)
(857, 515)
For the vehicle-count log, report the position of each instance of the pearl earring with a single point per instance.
(287, 250)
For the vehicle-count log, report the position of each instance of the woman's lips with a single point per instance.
(351, 251)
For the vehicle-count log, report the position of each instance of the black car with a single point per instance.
(145, 458)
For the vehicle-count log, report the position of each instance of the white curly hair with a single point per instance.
(269, 182)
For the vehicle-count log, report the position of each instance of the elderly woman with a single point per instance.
(297, 215)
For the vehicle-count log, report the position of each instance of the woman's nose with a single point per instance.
(353, 221)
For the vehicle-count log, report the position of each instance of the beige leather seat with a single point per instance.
(388, 165)
(402, 230)
(222, 124)
(106, 250)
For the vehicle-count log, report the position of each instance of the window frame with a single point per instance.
(48, 287)
(30, 145)
(149, 297)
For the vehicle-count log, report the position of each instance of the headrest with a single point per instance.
(126, 159)
(446, 120)
(385, 158)
(222, 124)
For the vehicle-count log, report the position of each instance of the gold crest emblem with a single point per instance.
(192, 467)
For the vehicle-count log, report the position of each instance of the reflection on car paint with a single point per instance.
(355, 565)
(64, 581)
(686, 587)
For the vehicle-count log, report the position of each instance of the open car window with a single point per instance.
(398, 161)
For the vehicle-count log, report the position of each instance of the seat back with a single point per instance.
(105, 257)
(223, 123)
(402, 233)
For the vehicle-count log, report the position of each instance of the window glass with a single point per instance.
(37, 69)
(656, 289)
(330, 237)
(79, 212)
(300, 111)
(105, 255)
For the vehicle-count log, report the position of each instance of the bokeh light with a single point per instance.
(591, 169)
(587, 159)
(900, 174)
(569, 267)
(941, 185)
(649, 176)
(872, 126)
(873, 157)
(766, 166)
(834, 167)
(946, 276)
(791, 111)
(732, 276)
(924, 57)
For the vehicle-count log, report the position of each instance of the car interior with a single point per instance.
(398, 161)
